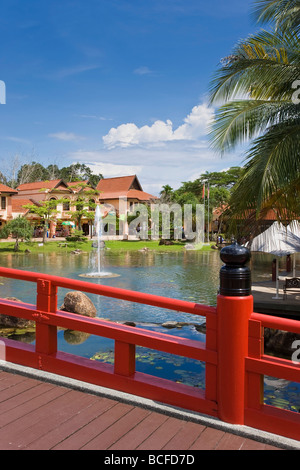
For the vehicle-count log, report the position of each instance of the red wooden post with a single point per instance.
(46, 335)
(234, 308)
(124, 358)
(255, 385)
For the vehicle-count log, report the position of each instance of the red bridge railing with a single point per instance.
(233, 352)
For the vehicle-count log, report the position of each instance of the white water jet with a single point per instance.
(99, 245)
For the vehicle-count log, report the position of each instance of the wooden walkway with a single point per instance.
(38, 415)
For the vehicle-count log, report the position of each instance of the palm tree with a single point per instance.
(257, 85)
(166, 194)
(285, 13)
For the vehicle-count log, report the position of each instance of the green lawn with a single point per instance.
(113, 246)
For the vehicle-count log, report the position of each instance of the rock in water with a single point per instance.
(7, 321)
(78, 302)
(280, 342)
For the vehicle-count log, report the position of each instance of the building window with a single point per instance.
(3, 202)
(53, 199)
(66, 206)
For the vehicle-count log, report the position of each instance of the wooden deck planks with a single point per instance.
(37, 415)
(95, 427)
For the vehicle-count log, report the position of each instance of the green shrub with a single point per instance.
(77, 236)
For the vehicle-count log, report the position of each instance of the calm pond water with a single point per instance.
(192, 276)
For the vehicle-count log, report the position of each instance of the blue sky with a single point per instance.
(120, 85)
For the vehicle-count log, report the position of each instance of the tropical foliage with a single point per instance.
(84, 204)
(34, 171)
(213, 186)
(19, 228)
(256, 89)
(46, 211)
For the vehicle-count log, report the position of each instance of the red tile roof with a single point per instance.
(76, 183)
(140, 195)
(17, 204)
(121, 183)
(52, 184)
(270, 214)
(109, 188)
(78, 186)
(123, 186)
(7, 189)
(132, 194)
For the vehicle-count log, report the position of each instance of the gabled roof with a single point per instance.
(7, 189)
(140, 195)
(123, 186)
(78, 186)
(51, 185)
(17, 204)
(75, 183)
(120, 183)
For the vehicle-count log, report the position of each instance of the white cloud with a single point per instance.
(111, 170)
(155, 166)
(195, 126)
(94, 116)
(18, 140)
(70, 71)
(143, 71)
(66, 136)
(158, 154)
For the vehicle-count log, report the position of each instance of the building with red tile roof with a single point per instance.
(6, 194)
(41, 190)
(125, 188)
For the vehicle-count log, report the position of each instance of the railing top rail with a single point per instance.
(97, 326)
(114, 292)
(279, 323)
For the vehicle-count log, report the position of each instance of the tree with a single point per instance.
(255, 88)
(79, 172)
(220, 183)
(166, 194)
(35, 171)
(84, 203)
(47, 211)
(30, 172)
(285, 13)
(3, 179)
(53, 172)
(17, 228)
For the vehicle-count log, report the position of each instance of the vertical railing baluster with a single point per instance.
(211, 369)
(255, 382)
(124, 358)
(46, 335)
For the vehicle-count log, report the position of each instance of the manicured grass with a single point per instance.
(132, 245)
(48, 247)
(113, 246)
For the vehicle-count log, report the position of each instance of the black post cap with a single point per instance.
(235, 276)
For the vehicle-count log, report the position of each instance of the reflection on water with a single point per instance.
(191, 276)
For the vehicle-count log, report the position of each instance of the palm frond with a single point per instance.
(237, 122)
(272, 168)
(284, 15)
(261, 66)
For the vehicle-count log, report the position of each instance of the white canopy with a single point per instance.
(295, 228)
(279, 241)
